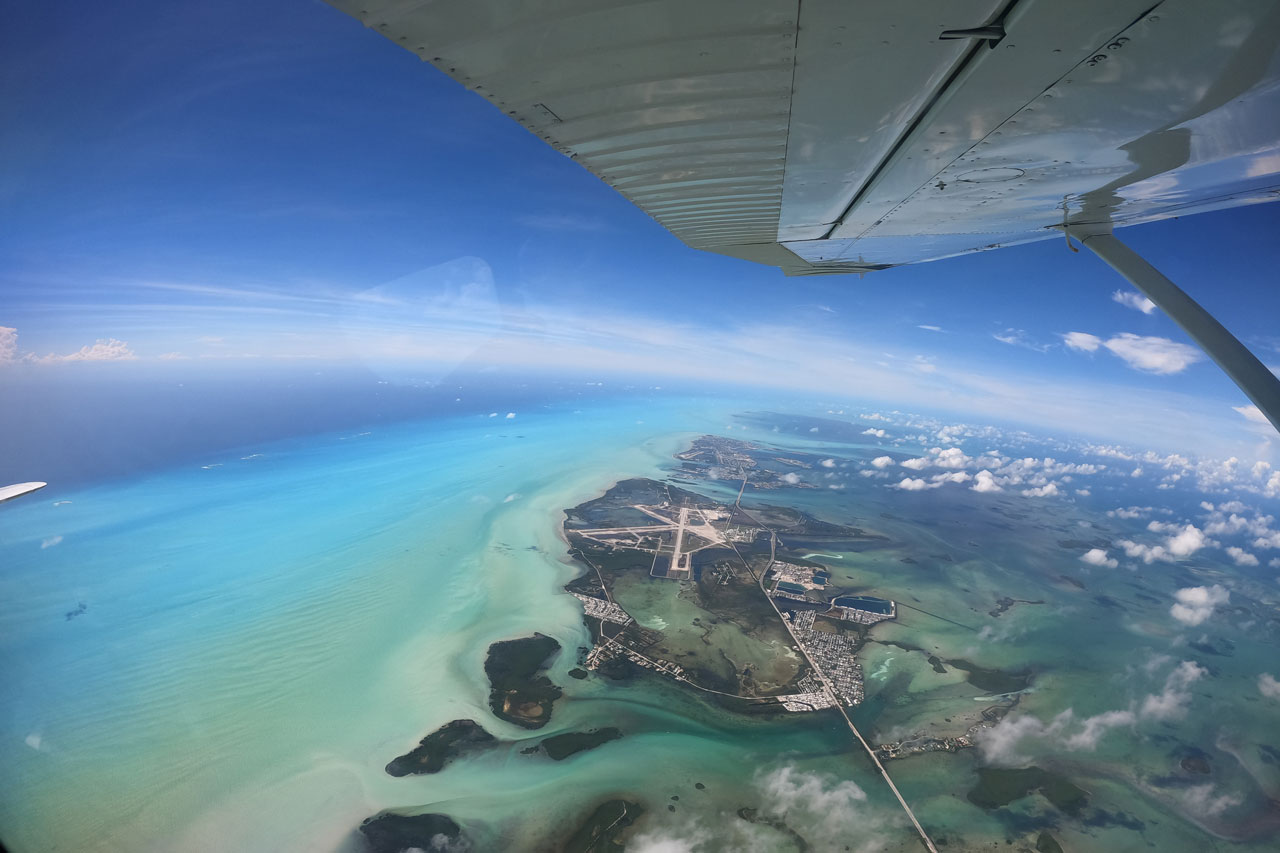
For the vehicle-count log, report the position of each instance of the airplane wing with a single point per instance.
(834, 136)
(831, 136)
(17, 490)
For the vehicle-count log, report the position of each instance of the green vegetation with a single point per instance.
(560, 747)
(602, 828)
(521, 692)
(999, 787)
(392, 833)
(450, 741)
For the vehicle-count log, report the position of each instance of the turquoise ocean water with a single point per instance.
(224, 654)
(228, 651)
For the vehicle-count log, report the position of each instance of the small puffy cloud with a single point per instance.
(1268, 686)
(1153, 354)
(831, 463)
(953, 477)
(1181, 542)
(510, 415)
(985, 481)
(108, 349)
(791, 478)
(50, 542)
(878, 433)
(1136, 301)
(917, 464)
(1082, 341)
(1045, 491)
(1251, 413)
(952, 457)
(882, 461)
(1019, 338)
(8, 344)
(1094, 728)
(1241, 556)
(1172, 701)
(1200, 801)
(913, 484)
(874, 416)
(1187, 541)
(1195, 604)
(1001, 744)
(1098, 557)
(1146, 353)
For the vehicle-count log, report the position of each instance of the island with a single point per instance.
(450, 741)
(520, 691)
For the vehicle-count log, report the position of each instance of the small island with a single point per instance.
(560, 747)
(521, 692)
(450, 741)
(391, 833)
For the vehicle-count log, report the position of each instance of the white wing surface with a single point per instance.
(833, 136)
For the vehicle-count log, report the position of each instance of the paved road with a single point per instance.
(835, 697)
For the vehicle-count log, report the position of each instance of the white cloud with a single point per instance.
(1182, 541)
(1095, 727)
(1136, 301)
(1019, 338)
(1000, 744)
(1187, 542)
(1082, 341)
(953, 477)
(108, 349)
(791, 478)
(1268, 686)
(510, 415)
(1045, 491)
(915, 484)
(1172, 701)
(1195, 604)
(1153, 354)
(1130, 512)
(1250, 413)
(1241, 556)
(8, 344)
(878, 433)
(882, 461)
(831, 463)
(50, 542)
(929, 328)
(985, 481)
(828, 813)
(917, 464)
(1003, 744)
(952, 457)
(1201, 802)
(1147, 353)
(1098, 557)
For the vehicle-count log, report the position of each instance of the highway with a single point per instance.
(835, 697)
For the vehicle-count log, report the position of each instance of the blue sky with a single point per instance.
(271, 180)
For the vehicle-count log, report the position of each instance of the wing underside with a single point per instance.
(827, 136)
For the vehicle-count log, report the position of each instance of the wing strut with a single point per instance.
(1255, 380)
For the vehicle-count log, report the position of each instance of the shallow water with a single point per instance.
(263, 631)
